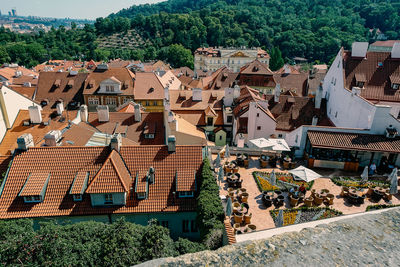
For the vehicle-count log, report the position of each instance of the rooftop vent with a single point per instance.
(151, 175)
(359, 49)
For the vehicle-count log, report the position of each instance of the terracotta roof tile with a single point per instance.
(34, 184)
(185, 180)
(112, 177)
(93, 80)
(66, 161)
(377, 85)
(148, 86)
(80, 183)
(354, 141)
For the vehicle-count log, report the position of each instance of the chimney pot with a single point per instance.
(116, 142)
(103, 113)
(35, 114)
(84, 113)
(60, 108)
(25, 141)
(138, 115)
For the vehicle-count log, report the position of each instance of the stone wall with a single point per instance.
(367, 240)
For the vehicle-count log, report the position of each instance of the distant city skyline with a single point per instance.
(75, 9)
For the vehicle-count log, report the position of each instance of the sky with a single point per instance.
(77, 9)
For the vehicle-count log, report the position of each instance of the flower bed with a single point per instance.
(356, 182)
(380, 206)
(284, 181)
(304, 214)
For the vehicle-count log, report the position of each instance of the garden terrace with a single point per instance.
(260, 215)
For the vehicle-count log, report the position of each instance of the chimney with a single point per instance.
(25, 141)
(314, 121)
(18, 73)
(171, 144)
(60, 108)
(35, 114)
(138, 115)
(167, 105)
(277, 93)
(116, 142)
(52, 138)
(395, 50)
(196, 94)
(151, 175)
(236, 91)
(166, 92)
(287, 69)
(102, 113)
(318, 97)
(359, 49)
(84, 113)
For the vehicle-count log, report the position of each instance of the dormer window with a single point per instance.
(210, 121)
(109, 88)
(34, 189)
(395, 86)
(108, 199)
(141, 185)
(186, 194)
(79, 185)
(77, 198)
(185, 183)
(360, 84)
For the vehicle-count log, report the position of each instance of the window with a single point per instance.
(398, 115)
(111, 101)
(93, 101)
(193, 226)
(185, 226)
(360, 84)
(108, 199)
(32, 199)
(280, 135)
(395, 86)
(258, 115)
(141, 195)
(147, 103)
(258, 128)
(210, 121)
(332, 79)
(338, 65)
(336, 114)
(220, 137)
(164, 224)
(149, 136)
(126, 99)
(154, 103)
(109, 88)
(229, 119)
(77, 197)
(297, 138)
(185, 194)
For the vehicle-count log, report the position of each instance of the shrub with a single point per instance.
(209, 208)
(183, 246)
(380, 206)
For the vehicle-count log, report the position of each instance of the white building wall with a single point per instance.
(12, 104)
(264, 121)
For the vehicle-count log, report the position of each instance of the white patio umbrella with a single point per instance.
(304, 174)
(364, 175)
(272, 178)
(393, 182)
(221, 174)
(227, 153)
(228, 209)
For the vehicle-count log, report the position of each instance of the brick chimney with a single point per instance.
(25, 141)
(103, 113)
(35, 114)
(52, 138)
(116, 142)
(84, 113)
(138, 115)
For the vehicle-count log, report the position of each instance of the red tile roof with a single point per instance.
(113, 177)
(34, 184)
(92, 83)
(354, 141)
(377, 85)
(148, 86)
(79, 183)
(64, 162)
(256, 68)
(185, 181)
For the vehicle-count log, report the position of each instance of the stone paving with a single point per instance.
(260, 214)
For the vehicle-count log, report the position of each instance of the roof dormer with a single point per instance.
(79, 185)
(185, 183)
(34, 189)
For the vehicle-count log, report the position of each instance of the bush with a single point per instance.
(183, 246)
(380, 206)
(209, 208)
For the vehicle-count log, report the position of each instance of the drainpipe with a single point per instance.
(4, 109)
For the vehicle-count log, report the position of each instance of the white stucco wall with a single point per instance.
(264, 121)
(13, 103)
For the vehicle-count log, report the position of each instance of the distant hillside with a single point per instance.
(314, 29)
(123, 40)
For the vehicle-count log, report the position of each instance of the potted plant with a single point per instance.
(247, 218)
(309, 201)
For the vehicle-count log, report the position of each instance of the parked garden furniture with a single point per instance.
(247, 218)
(309, 201)
(318, 200)
(238, 218)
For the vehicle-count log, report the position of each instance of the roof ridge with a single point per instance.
(116, 169)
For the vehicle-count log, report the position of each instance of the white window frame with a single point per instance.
(77, 197)
(186, 194)
(111, 101)
(93, 101)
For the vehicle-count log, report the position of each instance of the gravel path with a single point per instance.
(367, 240)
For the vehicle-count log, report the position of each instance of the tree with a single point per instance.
(276, 61)
(177, 55)
(4, 57)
